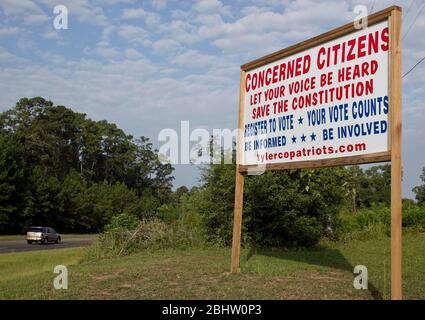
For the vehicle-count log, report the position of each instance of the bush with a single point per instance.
(121, 241)
(126, 235)
(167, 213)
(414, 217)
(122, 222)
(281, 209)
(376, 221)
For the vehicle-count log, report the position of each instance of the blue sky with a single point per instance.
(147, 65)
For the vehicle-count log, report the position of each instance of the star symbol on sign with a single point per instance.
(313, 137)
(300, 120)
(303, 138)
(294, 139)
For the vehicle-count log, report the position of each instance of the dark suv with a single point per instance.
(42, 235)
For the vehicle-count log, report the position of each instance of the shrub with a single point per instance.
(122, 222)
(376, 221)
(414, 217)
(167, 213)
(286, 208)
(125, 235)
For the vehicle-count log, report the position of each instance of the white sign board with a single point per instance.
(326, 102)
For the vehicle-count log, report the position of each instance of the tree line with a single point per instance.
(62, 169)
(299, 207)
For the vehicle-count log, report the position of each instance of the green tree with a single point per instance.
(45, 206)
(179, 193)
(294, 207)
(70, 172)
(284, 208)
(376, 186)
(353, 184)
(420, 190)
(12, 188)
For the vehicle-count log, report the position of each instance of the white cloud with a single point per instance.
(14, 7)
(52, 58)
(108, 52)
(212, 6)
(166, 46)
(131, 53)
(151, 19)
(106, 35)
(159, 4)
(111, 2)
(194, 59)
(25, 43)
(260, 32)
(51, 35)
(180, 14)
(133, 13)
(212, 25)
(7, 57)
(87, 13)
(133, 34)
(254, 10)
(83, 11)
(180, 30)
(9, 31)
(35, 19)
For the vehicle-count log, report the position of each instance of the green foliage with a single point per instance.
(167, 213)
(376, 221)
(11, 182)
(125, 236)
(299, 207)
(293, 208)
(59, 168)
(365, 188)
(414, 217)
(288, 208)
(122, 222)
(420, 190)
(174, 227)
(364, 224)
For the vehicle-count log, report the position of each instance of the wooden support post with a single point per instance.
(237, 223)
(396, 163)
(239, 183)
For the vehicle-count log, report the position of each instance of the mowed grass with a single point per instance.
(64, 236)
(14, 266)
(325, 272)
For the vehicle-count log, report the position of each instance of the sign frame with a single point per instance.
(393, 155)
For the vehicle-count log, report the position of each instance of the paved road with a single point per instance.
(22, 245)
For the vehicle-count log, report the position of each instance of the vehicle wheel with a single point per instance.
(58, 240)
(29, 241)
(44, 241)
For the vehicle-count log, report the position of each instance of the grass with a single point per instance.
(325, 272)
(64, 236)
(15, 266)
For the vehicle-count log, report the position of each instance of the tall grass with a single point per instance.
(375, 222)
(148, 235)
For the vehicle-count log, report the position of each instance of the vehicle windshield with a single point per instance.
(35, 229)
